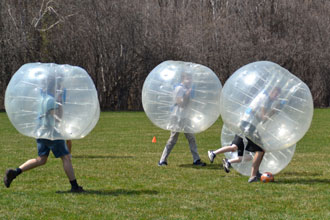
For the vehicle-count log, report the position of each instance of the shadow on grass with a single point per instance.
(303, 173)
(116, 192)
(100, 156)
(208, 166)
(305, 181)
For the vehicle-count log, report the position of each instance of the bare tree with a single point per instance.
(119, 42)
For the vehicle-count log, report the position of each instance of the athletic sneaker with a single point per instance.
(78, 189)
(259, 175)
(211, 155)
(164, 163)
(226, 165)
(9, 177)
(199, 163)
(253, 179)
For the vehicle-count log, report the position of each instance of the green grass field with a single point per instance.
(117, 166)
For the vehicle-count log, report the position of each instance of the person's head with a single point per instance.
(274, 93)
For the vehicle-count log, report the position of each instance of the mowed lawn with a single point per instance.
(117, 166)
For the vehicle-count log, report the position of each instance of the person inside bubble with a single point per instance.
(182, 94)
(56, 92)
(238, 145)
(60, 92)
(180, 120)
(49, 111)
(261, 109)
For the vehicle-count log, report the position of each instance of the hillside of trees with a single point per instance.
(119, 42)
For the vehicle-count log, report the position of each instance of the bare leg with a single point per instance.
(67, 166)
(235, 160)
(256, 163)
(32, 163)
(69, 145)
(225, 149)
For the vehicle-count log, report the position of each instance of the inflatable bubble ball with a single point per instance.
(267, 104)
(273, 162)
(182, 96)
(267, 177)
(50, 101)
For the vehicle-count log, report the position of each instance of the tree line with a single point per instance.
(119, 42)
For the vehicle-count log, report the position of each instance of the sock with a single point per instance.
(74, 183)
(18, 171)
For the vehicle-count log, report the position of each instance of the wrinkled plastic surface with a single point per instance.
(164, 84)
(273, 162)
(250, 108)
(50, 101)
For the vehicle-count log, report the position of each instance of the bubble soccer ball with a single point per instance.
(50, 101)
(267, 104)
(273, 162)
(182, 96)
(267, 177)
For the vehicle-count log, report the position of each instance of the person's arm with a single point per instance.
(263, 114)
(267, 112)
(61, 98)
(58, 112)
(184, 98)
(180, 97)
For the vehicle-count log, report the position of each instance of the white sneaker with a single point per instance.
(211, 155)
(226, 165)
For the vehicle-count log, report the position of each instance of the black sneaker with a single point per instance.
(164, 163)
(211, 155)
(78, 189)
(199, 163)
(253, 179)
(259, 175)
(9, 177)
(226, 165)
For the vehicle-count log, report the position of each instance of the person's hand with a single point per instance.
(188, 92)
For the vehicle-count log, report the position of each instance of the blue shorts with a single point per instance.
(58, 147)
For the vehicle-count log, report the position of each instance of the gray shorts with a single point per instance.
(58, 147)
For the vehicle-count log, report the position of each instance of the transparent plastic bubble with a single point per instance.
(268, 104)
(50, 101)
(182, 96)
(273, 162)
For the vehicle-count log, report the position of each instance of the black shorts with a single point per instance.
(252, 147)
(238, 141)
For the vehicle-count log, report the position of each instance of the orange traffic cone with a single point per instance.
(154, 139)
